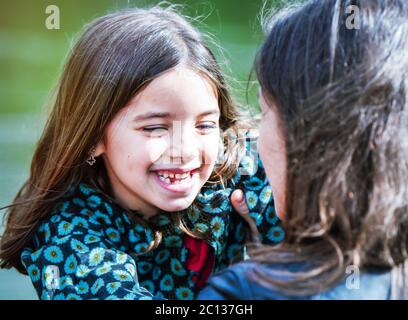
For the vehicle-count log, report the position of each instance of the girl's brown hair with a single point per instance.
(340, 88)
(115, 58)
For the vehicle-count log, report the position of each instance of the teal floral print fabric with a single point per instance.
(90, 248)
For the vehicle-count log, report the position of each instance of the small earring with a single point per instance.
(91, 160)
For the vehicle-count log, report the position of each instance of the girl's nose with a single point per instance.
(185, 145)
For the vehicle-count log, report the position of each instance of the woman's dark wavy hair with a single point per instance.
(340, 88)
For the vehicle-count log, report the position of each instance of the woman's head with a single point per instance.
(125, 67)
(335, 87)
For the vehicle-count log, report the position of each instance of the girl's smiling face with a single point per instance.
(161, 148)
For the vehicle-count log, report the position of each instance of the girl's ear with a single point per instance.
(99, 148)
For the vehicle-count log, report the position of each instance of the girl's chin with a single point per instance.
(177, 205)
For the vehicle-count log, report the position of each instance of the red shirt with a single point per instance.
(200, 259)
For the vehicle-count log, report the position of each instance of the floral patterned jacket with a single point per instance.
(89, 248)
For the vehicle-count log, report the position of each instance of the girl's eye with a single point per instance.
(207, 126)
(155, 129)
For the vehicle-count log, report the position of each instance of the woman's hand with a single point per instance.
(239, 204)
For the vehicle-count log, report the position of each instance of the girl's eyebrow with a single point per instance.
(150, 115)
(208, 113)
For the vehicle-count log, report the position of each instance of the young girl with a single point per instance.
(335, 102)
(128, 195)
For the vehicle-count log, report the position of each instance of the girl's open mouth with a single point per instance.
(177, 180)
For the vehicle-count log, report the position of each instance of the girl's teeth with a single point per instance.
(176, 178)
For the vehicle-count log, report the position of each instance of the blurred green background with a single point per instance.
(31, 57)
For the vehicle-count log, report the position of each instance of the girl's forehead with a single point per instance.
(177, 91)
(185, 78)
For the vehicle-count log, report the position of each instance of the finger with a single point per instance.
(253, 228)
(238, 202)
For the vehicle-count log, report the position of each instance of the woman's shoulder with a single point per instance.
(229, 284)
(237, 282)
(360, 285)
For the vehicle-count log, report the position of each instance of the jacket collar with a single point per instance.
(208, 216)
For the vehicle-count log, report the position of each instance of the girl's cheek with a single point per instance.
(155, 148)
(211, 149)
